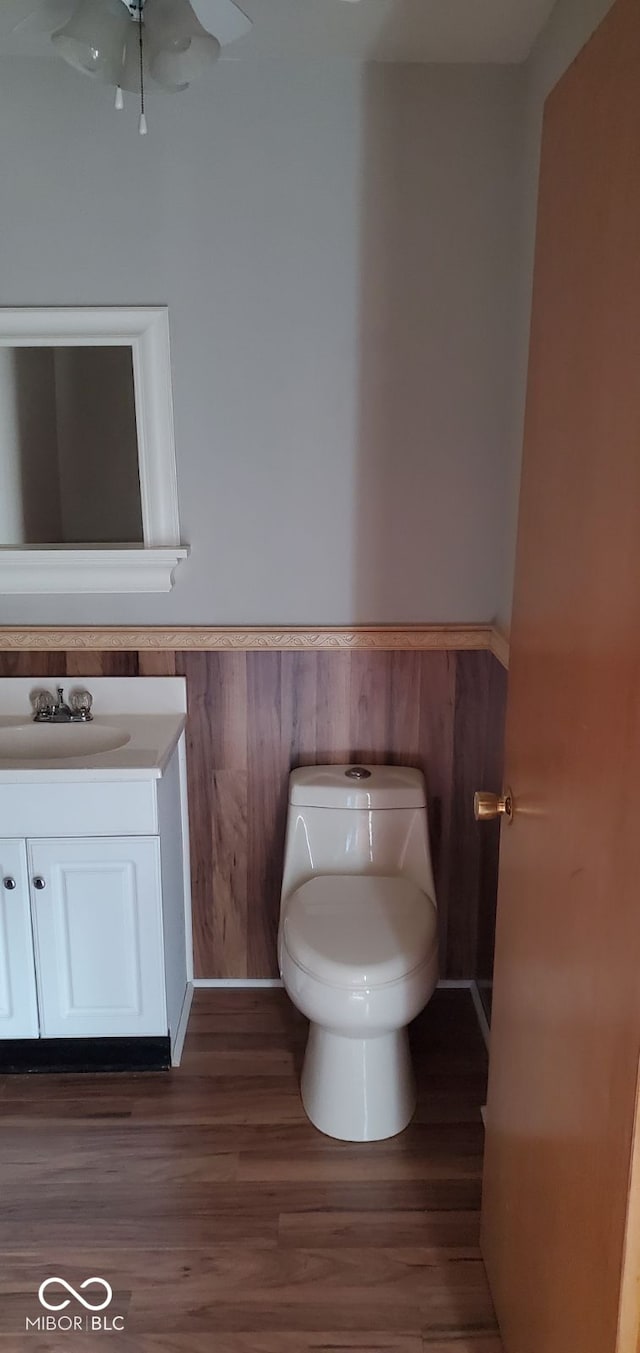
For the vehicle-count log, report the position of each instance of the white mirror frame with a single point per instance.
(118, 568)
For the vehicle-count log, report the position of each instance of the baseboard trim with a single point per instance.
(194, 638)
(255, 983)
(181, 1031)
(235, 983)
(470, 985)
(454, 984)
(480, 1012)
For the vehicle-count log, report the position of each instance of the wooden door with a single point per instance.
(18, 1004)
(97, 913)
(566, 1016)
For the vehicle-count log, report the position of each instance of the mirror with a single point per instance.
(88, 492)
(68, 446)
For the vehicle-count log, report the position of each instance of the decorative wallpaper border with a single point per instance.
(256, 638)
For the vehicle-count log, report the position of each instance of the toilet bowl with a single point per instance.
(357, 940)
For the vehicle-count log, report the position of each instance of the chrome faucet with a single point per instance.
(61, 711)
(48, 710)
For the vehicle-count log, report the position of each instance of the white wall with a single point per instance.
(29, 498)
(337, 248)
(571, 24)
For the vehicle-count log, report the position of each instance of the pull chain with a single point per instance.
(142, 125)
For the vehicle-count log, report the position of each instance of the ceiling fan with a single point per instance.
(136, 44)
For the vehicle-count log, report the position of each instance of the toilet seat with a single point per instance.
(359, 930)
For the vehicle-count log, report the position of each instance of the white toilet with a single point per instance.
(357, 941)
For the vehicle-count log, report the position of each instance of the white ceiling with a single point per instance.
(396, 30)
(382, 30)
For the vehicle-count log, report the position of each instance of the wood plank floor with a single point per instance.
(225, 1222)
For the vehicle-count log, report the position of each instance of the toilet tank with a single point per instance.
(357, 820)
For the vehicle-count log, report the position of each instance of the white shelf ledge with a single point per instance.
(86, 568)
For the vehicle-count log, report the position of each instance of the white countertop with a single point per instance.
(152, 740)
(150, 711)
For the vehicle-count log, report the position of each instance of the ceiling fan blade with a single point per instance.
(222, 18)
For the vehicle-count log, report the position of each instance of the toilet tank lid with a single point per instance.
(343, 787)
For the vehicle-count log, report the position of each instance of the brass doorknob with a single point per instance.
(487, 807)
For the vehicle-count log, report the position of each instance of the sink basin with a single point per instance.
(58, 742)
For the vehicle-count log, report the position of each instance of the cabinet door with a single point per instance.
(97, 913)
(18, 1003)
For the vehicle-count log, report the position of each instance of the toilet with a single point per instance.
(357, 940)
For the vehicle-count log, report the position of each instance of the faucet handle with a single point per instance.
(81, 702)
(43, 704)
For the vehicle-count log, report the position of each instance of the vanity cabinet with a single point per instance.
(95, 914)
(96, 907)
(81, 941)
(18, 1001)
(94, 932)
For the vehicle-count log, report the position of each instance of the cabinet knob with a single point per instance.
(39, 882)
(9, 882)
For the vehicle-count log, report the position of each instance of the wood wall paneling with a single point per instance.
(471, 716)
(153, 662)
(26, 662)
(492, 780)
(118, 664)
(270, 749)
(437, 699)
(253, 715)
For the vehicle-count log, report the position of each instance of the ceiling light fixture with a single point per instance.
(93, 40)
(133, 44)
